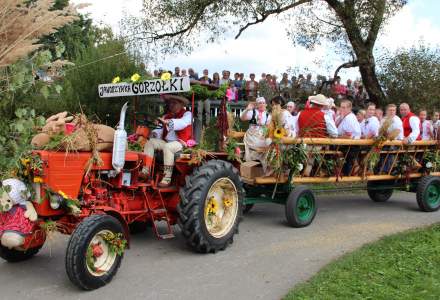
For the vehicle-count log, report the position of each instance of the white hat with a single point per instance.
(291, 103)
(319, 99)
(261, 100)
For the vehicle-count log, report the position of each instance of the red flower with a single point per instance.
(237, 150)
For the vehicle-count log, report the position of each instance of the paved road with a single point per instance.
(265, 261)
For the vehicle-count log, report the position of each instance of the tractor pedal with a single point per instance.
(166, 236)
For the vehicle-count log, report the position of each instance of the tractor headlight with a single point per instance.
(56, 201)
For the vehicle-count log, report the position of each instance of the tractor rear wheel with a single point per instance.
(211, 206)
(92, 259)
(13, 255)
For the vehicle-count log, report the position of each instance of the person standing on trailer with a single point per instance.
(171, 138)
(411, 124)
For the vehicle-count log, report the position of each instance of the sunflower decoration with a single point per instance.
(227, 202)
(211, 207)
(135, 77)
(165, 76)
(279, 133)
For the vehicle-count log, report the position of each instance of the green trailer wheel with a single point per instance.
(300, 207)
(428, 193)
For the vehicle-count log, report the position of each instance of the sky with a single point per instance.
(266, 48)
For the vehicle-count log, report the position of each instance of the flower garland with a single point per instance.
(233, 150)
(116, 244)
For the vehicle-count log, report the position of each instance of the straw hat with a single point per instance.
(182, 100)
(319, 99)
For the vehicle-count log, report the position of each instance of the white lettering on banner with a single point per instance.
(148, 87)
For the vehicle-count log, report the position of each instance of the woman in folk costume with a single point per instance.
(255, 137)
(176, 131)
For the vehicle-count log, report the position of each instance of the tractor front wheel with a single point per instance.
(211, 206)
(300, 207)
(94, 252)
(13, 255)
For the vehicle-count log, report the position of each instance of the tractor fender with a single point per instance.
(116, 214)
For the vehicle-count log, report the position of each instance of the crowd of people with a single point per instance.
(269, 85)
(320, 118)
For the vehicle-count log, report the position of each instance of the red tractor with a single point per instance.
(114, 198)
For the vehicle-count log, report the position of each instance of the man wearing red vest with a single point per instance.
(411, 124)
(171, 138)
(312, 122)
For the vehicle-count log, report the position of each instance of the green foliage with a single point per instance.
(202, 92)
(412, 76)
(80, 87)
(402, 266)
(233, 150)
(15, 140)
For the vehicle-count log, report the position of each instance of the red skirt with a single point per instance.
(14, 220)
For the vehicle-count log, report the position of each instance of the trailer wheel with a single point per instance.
(13, 255)
(210, 207)
(428, 193)
(300, 207)
(376, 193)
(91, 262)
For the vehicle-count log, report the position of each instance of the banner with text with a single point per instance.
(147, 87)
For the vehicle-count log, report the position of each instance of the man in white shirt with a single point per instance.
(396, 129)
(349, 128)
(347, 123)
(411, 124)
(426, 128)
(371, 124)
(175, 132)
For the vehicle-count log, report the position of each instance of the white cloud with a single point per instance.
(406, 29)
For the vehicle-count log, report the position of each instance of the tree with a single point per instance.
(413, 76)
(351, 25)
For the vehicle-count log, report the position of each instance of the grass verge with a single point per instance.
(401, 266)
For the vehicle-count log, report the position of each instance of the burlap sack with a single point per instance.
(105, 139)
(40, 140)
(80, 142)
(106, 135)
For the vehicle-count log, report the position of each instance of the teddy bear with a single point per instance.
(17, 214)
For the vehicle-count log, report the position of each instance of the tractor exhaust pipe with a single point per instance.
(120, 142)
